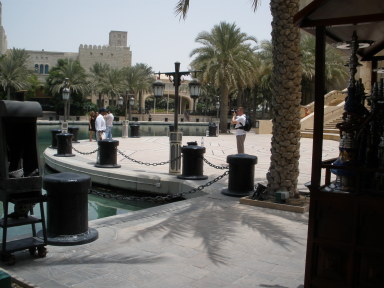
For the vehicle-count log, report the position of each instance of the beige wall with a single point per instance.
(265, 127)
(116, 57)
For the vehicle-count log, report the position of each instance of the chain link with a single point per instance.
(147, 163)
(159, 198)
(85, 153)
(215, 166)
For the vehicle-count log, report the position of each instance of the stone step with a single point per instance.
(327, 130)
(326, 136)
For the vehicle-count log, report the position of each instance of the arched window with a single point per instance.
(46, 70)
(36, 68)
(41, 69)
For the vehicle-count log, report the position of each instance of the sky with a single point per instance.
(156, 36)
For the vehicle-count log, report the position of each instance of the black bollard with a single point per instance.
(64, 145)
(67, 209)
(135, 132)
(107, 154)
(54, 132)
(241, 175)
(212, 128)
(75, 132)
(192, 162)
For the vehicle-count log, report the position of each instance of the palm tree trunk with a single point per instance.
(140, 108)
(286, 78)
(223, 109)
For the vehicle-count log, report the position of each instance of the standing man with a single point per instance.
(238, 118)
(109, 123)
(100, 124)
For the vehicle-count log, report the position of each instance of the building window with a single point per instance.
(46, 70)
(41, 69)
(36, 68)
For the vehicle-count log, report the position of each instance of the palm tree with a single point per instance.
(336, 73)
(71, 69)
(74, 72)
(139, 79)
(227, 60)
(113, 83)
(14, 74)
(262, 89)
(98, 73)
(286, 78)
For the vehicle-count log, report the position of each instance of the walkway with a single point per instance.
(206, 241)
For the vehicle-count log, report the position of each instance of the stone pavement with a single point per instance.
(205, 241)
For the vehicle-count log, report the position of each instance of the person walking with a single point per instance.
(92, 125)
(238, 118)
(109, 124)
(100, 124)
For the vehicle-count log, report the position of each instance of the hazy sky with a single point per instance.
(156, 36)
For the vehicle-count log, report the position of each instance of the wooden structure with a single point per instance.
(345, 233)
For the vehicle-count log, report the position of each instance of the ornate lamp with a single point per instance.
(158, 88)
(194, 91)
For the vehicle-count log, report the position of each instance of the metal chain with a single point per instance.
(147, 163)
(85, 153)
(215, 166)
(158, 198)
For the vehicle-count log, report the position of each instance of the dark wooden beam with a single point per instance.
(319, 108)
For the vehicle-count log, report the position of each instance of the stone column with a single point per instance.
(175, 152)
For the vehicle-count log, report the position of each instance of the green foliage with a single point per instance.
(227, 59)
(14, 73)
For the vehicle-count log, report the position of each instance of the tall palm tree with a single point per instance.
(227, 60)
(286, 78)
(113, 83)
(98, 73)
(139, 79)
(74, 72)
(14, 74)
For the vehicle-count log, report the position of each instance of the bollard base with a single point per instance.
(236, 193)
(64, 155)
(201, 177)
(107, 165)
(71, 240)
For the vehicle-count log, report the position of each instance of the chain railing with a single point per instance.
(85, 153)
(147, 163)
(158, 198)
(213, 165)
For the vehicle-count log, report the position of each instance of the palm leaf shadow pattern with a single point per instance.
(215, 223)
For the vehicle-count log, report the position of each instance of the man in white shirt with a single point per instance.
(109, 123)
(100, 124)
(238, 118)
